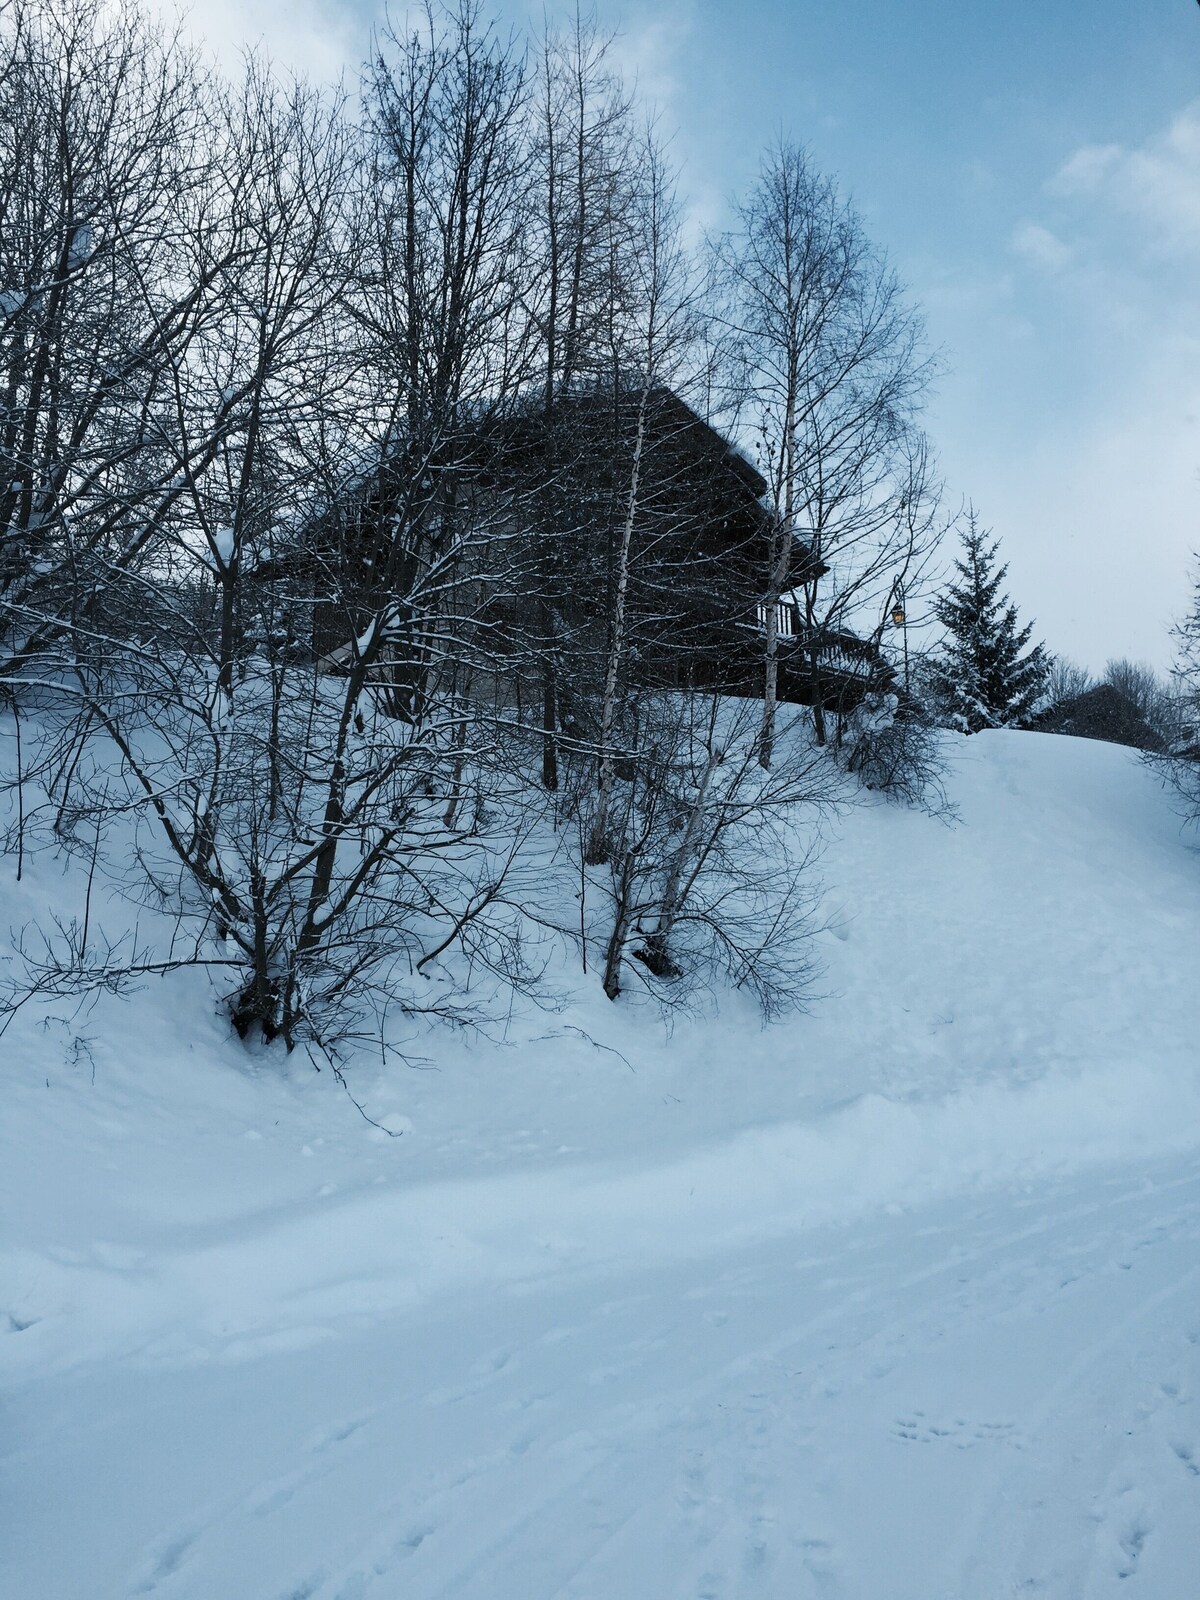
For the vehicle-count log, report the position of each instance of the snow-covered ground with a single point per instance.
(897, 1299)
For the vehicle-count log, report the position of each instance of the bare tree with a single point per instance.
(712, 876)
(328, 830)
(447, 333)
(829, 369)
(583, 172)
(112, 255)
(1179, 765)
(1067, 680)
(268, 399)
(1149, 694)
(651, 336)
(584, 161)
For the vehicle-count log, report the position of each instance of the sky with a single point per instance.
(1033, 170)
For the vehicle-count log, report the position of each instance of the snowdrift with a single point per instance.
(898, 1297)
(1004, 996)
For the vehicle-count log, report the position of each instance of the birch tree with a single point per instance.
(584, 162)
(650, 337)
(828, 372)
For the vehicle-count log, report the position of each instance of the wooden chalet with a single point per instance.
(702, 535)
(547, 493)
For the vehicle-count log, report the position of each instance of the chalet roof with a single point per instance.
(517, 452)
(1101, 713)
(670, 405)
(671, 421)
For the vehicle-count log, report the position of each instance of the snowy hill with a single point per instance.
(897, 1298)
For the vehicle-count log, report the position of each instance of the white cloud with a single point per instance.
(1040, 247)
(1087, 169)
(319, 39)
(1081, 444)
(1156, 184)
(1098, 511)
(646, 50)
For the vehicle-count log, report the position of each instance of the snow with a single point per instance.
(224, 541)
(80, 245)
(900, 1298)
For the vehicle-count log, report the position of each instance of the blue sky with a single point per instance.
(1033, 168)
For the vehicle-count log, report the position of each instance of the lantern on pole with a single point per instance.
(898, 615)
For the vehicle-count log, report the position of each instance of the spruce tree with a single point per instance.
(1184, 739)
(983, 675)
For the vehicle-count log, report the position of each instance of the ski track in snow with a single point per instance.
(775, 1422)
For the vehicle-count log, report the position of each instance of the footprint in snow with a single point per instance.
(164, 1559)
(818, 1556)
(1130, 1526)
(269, 1497)
(400, 1549)
(494, 1361)
(409, 1543)
(306, 1589)
(338, 1434)
(557, 1335)
(916, 1428)
(354, 1588)
(821, 1564)
(1132, 1543)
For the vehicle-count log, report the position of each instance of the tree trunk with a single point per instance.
(620, 929)
(549, 704)
(776, 579)
(598, 843)
(657, 953)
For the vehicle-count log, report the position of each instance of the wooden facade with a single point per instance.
(548, 493)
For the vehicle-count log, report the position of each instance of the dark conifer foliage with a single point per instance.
(985, 675)
(1182, 768)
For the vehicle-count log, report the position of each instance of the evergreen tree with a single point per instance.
(980, 674)
(1187, 661)
(1184, 736)
(1181, 767)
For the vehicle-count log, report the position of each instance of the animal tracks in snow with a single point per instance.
(917, 1428)
(163, 1560)
(1126, 1526)
(272, 1495)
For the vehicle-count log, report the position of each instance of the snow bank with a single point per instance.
(290, 1278)
(1005, 998)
